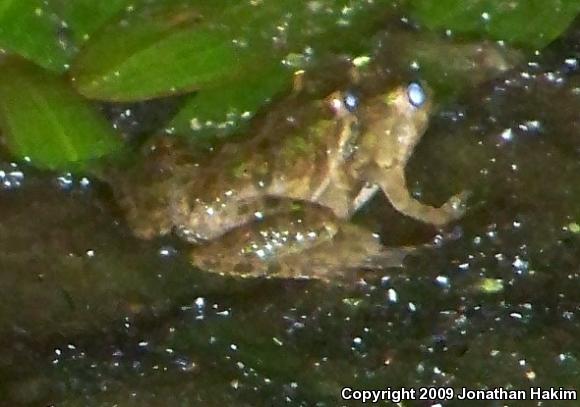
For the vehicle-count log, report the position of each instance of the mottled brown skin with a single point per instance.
(278, 204)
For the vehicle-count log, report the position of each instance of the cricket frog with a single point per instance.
(278, 203)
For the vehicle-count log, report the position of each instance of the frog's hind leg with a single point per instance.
(309, 245)
(353, 250)
(256, 248)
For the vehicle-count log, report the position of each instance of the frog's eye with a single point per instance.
(416, 94)
(350, 101)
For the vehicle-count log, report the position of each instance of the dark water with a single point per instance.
(93, 316)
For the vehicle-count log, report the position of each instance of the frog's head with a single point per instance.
(392, 123)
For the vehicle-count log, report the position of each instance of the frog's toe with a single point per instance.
(457, 205)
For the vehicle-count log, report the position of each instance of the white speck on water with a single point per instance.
(520, 264)
(568, 315)
(392, 295)
(531, 125)
(65, 181)
(571, 63)
(552, 77)
(385, 280)
(85, 182)
(199, 302)
(442, 281)
(507, 135)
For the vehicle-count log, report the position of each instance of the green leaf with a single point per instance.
(529, 23)
(84, 17)
(29, 29)
(156, 53)
(222, 110)
(43, 119)
(160, 50)
(49, 33)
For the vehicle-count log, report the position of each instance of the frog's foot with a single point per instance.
(456, 206)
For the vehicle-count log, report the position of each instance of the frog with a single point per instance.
(279, 203)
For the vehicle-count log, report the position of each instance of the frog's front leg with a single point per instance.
(393, 183)
(307, 243)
